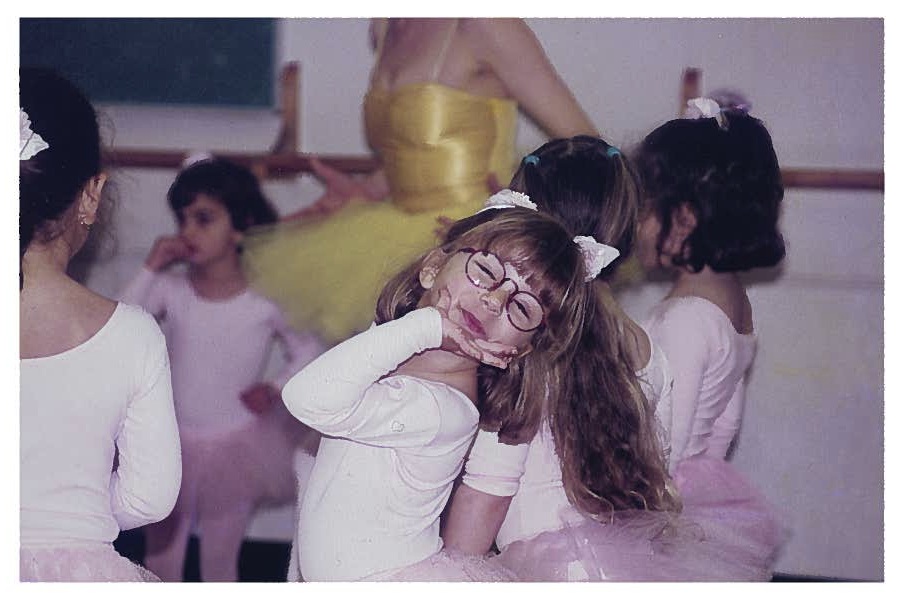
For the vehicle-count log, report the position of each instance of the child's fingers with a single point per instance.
(498, 348)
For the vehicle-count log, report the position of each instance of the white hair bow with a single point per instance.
(705, 108)
(30, 143)
(507, 198)
(596, 255)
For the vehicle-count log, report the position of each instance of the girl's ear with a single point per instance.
(431, 266)
(684, 222)
(89, 201)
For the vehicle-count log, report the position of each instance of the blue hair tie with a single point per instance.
(531, 159)
(612, 151)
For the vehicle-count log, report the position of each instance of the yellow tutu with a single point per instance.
(327, 274)
(438, 146)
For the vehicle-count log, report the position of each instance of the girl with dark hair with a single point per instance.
(714, 197)
(400, 403)
(99, 449)
(237, 440)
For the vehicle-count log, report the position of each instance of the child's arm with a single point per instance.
(729, 422)
(681, 336)
(144, 289)
(299, 350)
(479, 506)
(144, 487)
(334, 395)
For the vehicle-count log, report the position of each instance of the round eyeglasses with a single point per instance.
(486, 271)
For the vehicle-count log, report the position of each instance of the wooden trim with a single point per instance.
(275, 165)
(284, 161)
(290, 165)
(833, 179)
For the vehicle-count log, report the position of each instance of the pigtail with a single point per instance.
(603, 427)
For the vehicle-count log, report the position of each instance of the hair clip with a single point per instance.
(507, 198)
(531, 159)
(612, 151)
(30, 143)
(596, 255)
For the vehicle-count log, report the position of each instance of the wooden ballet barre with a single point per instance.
(273, 165)
(833, 179)
(291, 164)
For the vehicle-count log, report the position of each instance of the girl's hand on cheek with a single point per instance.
(460, 341)
(496, 354)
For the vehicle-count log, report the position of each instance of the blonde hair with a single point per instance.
(512, 401)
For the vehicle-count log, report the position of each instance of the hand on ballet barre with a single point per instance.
(340, 189)
(260, 397)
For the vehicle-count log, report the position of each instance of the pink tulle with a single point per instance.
(726, 532)
(252, 465)
(448, 566)
(733, 513)
(79, 562)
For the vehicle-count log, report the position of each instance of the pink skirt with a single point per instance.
(252, 465)
(726, 532)
(79, 562)
(449, 567)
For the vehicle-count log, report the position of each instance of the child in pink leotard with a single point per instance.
(714, 190)
(237, 440)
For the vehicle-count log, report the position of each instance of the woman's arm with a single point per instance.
(341, 188)
(512, 51)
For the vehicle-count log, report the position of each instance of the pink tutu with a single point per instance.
(252, 465)
(726, 532)
(79, 562)
(734, 515)
(449, 567)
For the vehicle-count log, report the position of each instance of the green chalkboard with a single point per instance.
(207, 62)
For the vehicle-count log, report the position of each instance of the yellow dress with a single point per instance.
(438, 146)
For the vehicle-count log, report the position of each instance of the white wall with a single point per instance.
(813, 433)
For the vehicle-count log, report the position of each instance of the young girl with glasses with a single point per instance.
(400, 403)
